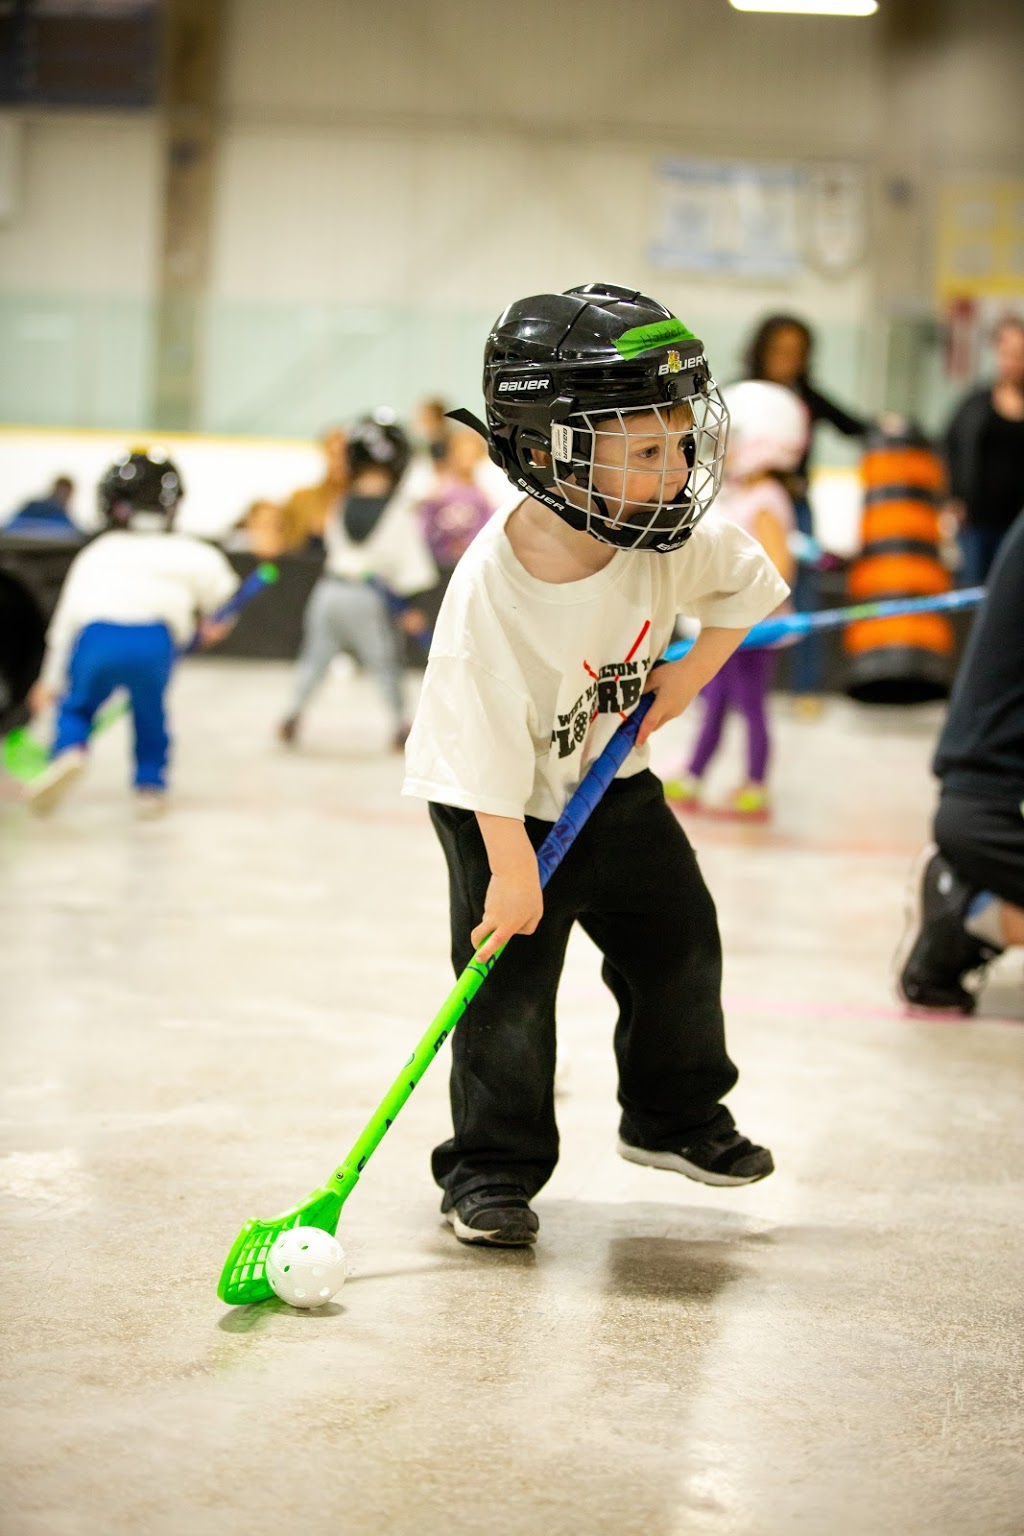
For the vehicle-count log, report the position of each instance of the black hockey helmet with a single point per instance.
(141, 491)
(378, 442)
(587, 387)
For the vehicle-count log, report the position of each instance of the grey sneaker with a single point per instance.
(500, 1217)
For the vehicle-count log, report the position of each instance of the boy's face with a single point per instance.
(641, 460)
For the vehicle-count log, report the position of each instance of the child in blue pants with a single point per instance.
(129, 604)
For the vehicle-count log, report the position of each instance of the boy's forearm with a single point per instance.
(509, 849)
(708, 654)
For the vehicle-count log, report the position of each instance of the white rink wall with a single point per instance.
(222, 475)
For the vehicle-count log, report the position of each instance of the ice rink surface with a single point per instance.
(198, 1015)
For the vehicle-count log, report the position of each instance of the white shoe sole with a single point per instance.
(676, 1164)
(478, 1235)
(913, 919)
(55, 781)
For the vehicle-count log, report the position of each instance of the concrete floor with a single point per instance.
(198, 1015)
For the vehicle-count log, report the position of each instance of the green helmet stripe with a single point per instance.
(647, 338)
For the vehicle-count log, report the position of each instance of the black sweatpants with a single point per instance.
(632, 882)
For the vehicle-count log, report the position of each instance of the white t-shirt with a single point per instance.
(528, 680)
(396, 552)
(136, 578)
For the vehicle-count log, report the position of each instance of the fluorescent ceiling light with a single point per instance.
(809, 7)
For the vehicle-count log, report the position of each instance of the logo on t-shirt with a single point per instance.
(614, 689)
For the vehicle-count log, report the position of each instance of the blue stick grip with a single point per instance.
(263, 576)
(589, 791)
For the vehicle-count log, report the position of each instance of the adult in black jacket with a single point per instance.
(985, 456)
(971, 896)
(781, 352)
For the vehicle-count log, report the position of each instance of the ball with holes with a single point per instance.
(306, 1267)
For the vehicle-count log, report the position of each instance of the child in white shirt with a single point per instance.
(601, 409)
(377, 558)
(129, 603)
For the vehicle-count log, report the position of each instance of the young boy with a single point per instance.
(601, 409)
(128, 603)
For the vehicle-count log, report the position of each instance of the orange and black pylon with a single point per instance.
(905, 660)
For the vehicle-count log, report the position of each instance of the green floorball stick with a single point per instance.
(244, 1278)
(24, 756)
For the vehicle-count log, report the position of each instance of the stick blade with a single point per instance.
(243, 1279)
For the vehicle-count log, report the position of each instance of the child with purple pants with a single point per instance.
(767, 433)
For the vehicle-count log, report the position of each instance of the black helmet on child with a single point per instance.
(141, 492)
(566, 375)
(378, 442)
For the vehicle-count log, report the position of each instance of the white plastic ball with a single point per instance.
(306, 1267)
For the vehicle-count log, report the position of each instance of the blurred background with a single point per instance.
(257, 218)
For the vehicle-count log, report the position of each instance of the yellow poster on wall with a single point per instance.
(981, 239)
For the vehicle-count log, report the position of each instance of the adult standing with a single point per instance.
(781, 351)
(985, 456)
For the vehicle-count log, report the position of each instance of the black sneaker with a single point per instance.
(725, 1158)
(500, 1217)
(939, 951)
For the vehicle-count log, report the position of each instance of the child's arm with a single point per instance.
(514, 903)
(214, 580)
(676, 684)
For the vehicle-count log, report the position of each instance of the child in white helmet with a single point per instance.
(768, 428)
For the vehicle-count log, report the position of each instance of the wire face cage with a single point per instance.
(644, 475)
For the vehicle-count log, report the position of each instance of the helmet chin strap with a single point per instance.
(467, 419)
